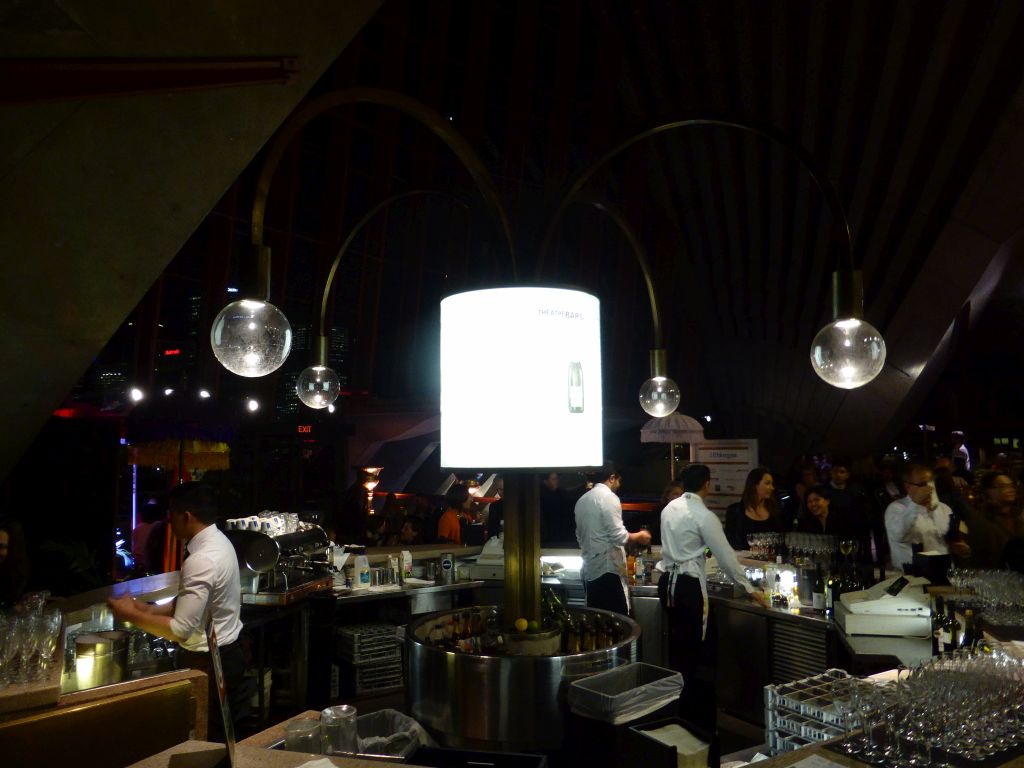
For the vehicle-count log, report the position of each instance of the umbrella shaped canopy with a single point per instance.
(179, 431)
(674, 428)
(197, 454)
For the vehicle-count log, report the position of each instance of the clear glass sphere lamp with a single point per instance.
(659, 395)
(251, 338)
(849, 352)
(318, 386)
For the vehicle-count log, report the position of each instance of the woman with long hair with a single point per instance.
(757, 511)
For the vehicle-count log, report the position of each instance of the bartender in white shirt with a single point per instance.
(210, 590)
(918, 518)
(687, 527)
(602, 538)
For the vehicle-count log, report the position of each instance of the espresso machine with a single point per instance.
(278, 569)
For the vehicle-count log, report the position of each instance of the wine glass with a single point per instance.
(865, 699)
(48, 633)
(847, 547)
(842, 700)
(894, 703)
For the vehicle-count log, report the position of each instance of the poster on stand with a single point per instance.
(521, 379)
(730, 461)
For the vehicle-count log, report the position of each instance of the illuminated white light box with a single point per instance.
(521, 379)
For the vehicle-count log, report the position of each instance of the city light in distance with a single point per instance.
(136, 394)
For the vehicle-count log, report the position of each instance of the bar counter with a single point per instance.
(249, 755)
(409, 591)
(245, 757)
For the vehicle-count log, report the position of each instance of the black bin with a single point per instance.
(604, 706)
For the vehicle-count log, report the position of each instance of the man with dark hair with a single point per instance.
(457, 503)
(850, 504)
(956, 437)
(210, 590)
(602, 538)
(687, 527)
(917, 518)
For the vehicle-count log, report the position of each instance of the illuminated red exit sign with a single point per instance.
(305, 429)
(171, 352)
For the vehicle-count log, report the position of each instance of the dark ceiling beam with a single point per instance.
(26, 81)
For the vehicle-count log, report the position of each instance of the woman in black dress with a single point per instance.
(757, 512)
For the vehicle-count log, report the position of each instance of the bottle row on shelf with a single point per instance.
(484, 631)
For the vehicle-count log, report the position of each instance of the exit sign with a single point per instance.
(305, 429)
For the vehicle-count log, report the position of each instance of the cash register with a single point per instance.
(896, 607)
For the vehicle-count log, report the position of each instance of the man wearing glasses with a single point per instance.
(917, 518)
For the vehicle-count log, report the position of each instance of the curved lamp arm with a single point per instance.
(412, 108)
(821, 181)
(641, 259)
(321, 346)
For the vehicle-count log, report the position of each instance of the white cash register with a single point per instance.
(896, 607)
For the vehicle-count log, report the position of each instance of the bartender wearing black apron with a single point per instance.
(687, 528)
(210, 590)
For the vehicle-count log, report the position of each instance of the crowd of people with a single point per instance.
(891, 511)
(939, 507)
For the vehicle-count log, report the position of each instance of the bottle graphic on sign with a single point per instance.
(575, 387)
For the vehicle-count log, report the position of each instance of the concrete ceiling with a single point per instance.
(98, 195)
(913, 110)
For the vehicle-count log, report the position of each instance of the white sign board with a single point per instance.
(730, 461)
(537, 402)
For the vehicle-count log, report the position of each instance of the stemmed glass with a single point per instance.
(843, 701)
(865, 701)
(22, 644)
(894, 705)
(47, 633)
(847, 548)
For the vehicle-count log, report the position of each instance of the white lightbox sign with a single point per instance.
(521, 379)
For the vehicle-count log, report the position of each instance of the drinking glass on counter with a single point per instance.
(765, 546)
(964, 704)
(999, 594)
(338, 730)
(842, 700)
(6, 649)
(303, 736)
(867, 702)
(22, 640)
(48, 626)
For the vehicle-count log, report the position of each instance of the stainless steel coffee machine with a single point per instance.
(276, 570)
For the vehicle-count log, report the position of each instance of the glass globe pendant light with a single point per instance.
(659, 395)
(848, 352)
(318, 386)
(252, 337)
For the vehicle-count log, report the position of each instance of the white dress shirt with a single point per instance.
(600, 533)
(210, 587)
(965, 454)
(907, 523)
(687, 527)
